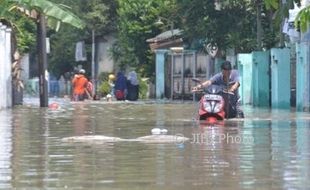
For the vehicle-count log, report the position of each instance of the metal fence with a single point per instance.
(182, 67)
(56, 88)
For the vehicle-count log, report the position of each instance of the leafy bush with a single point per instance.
(103, 76)
(104, 88)
(143, 88)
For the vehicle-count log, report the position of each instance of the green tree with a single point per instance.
(23, 28)
(136, 25)
(34, 10)
(279, 11)
(302, 19)
(99, 15)
(231, 26)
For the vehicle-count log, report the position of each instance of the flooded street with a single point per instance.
(267, 150)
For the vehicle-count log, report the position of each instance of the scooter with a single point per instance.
(215, 103)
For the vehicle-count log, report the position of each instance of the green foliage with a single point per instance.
(103, 76)
(271, 4)
(23, 28)
(53, 11)
(233, 26)
(25, 36)
(104, 88)
(143, 88)
(99, 15)
(136, 25)
(302, 19)
(61, 58)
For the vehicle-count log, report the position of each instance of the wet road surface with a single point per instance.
(267, 150)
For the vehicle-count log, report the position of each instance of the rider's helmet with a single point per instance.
(81, 71)
(111, 77)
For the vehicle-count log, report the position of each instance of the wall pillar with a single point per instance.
(281, 78)
(160, 73)
(7, 68)
(2, 63)
(261, 78)
(245, 70)
(302, 76)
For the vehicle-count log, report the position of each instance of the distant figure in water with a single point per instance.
(53, 106)
(79, 84)
(111, 81)
(132, 86)
(120, 86)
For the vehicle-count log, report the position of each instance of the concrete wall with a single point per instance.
(105, 63)
(25, 67)
(5, 67)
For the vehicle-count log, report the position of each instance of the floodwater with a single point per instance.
(267, 150)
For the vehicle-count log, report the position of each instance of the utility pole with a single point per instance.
(42, 59)
(93, 74)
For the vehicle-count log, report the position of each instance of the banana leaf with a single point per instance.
(53, 11)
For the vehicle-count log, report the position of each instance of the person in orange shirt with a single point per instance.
(79, 84)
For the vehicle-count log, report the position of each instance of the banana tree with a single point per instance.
(302, 19)
(281, 9)
(56, 13)
(39, 11)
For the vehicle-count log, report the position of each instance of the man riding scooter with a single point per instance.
(229, 78)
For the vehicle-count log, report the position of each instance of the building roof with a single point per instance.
(167, 39)
(165, 36)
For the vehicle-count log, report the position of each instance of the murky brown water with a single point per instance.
(267, 150)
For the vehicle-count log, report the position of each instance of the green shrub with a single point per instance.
(103, 76)
(104, 88)
(143, 88)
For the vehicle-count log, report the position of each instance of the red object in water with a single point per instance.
(54, 106)
(120, 95)
(211, 119)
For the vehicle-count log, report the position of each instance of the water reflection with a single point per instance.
(81, 120)
(6, 149)
(267, 150)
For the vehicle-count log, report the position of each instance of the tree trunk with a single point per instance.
(259, 25)
(42, 58)
(281, 25)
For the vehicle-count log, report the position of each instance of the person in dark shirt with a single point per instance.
(228, 78)
(120, 88)
(132, 86)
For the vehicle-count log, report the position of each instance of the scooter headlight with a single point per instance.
(218, 106)
(213, 104)
(207, 106)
